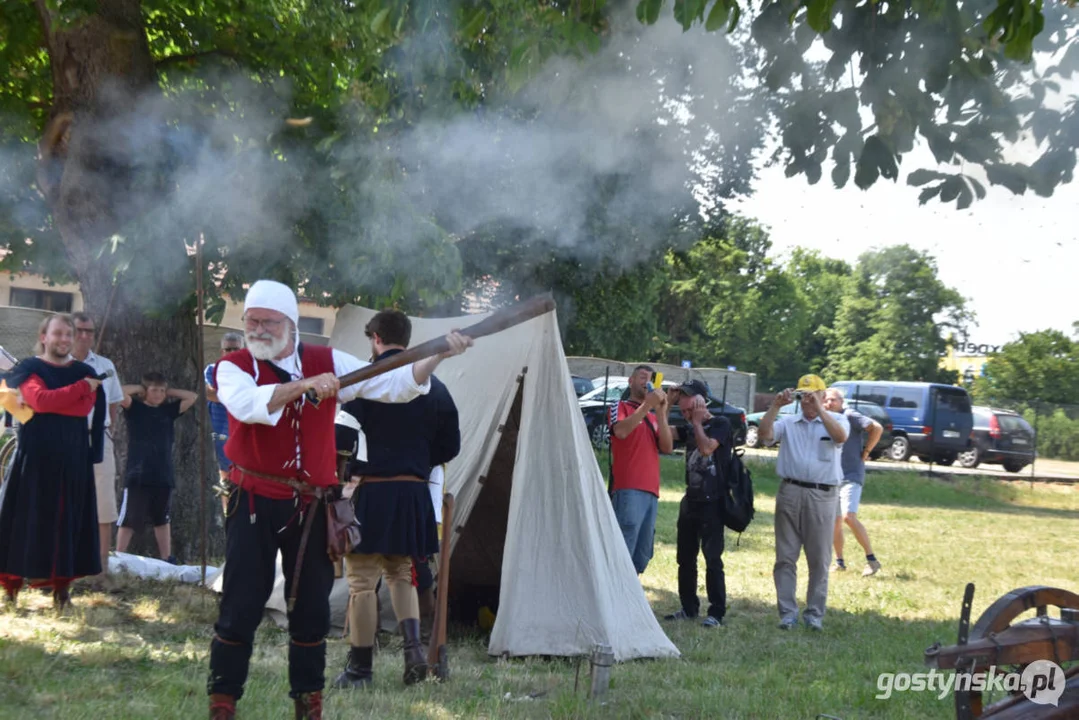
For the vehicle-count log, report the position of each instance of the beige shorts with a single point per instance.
(105, 483)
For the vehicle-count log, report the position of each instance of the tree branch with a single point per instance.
(45, 14)
(190, 57)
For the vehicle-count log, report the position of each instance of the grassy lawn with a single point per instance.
(141, 653)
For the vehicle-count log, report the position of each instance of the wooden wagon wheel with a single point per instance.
(1000, 616)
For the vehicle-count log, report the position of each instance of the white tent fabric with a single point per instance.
(567, 581)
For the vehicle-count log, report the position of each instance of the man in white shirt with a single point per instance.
(810, 468)
(282, 446)
(104, 471)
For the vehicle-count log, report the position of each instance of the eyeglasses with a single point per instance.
(270, 325)
(229, 349)
(85, 331)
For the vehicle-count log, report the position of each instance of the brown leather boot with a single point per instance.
(309, 706)
(222, 707)
(357, 673)
(415, 660)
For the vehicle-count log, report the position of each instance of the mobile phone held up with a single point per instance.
(656, 381)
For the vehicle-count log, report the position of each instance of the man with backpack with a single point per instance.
(701, 512)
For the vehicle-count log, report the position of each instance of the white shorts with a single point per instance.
(105, 484)
(850, 495)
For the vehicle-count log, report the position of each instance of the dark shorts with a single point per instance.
(145, 504)
(223, 463)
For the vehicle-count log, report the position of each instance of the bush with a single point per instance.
(1058, 435)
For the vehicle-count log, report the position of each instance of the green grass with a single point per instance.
(142, 653)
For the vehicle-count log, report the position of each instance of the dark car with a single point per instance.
(581, 385)
(999, 437)
(877, 413)
(592, 409)
(734, 414)
(866, 408)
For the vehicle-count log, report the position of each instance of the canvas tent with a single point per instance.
(532, 521)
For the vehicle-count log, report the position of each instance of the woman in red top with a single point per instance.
(48, 506)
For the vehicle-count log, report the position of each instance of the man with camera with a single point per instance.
(639, 433)
(700, 514)
(809, 465)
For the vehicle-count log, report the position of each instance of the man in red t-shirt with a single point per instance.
(639, 434)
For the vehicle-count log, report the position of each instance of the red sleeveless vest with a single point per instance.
(299, 446)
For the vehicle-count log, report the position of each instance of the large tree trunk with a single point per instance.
(96, 184)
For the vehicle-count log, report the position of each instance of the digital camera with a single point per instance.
(798, 396)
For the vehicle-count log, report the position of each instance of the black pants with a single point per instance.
(250, 559)
(700, 528)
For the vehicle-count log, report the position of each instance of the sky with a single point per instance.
(1014, 257)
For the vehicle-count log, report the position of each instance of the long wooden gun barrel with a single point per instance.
(497, 322)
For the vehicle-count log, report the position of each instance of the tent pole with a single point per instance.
(607, 420)
(201, 424)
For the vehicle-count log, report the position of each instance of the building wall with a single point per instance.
(19, 290)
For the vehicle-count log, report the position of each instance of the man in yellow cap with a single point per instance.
(810, 467)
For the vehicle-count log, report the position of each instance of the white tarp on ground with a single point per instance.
(158, 569)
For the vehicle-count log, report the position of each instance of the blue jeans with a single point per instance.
(636, 513)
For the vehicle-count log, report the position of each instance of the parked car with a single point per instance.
(930, 420)
(866, 408)
(591, 406)
(581, 385)
(999, 437)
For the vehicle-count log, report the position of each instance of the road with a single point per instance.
(1044, 470)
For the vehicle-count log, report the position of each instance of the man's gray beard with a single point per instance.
(261, 351)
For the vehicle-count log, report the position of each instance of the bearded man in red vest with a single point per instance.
(284, 457)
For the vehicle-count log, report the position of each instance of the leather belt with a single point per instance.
(297, 485)
(316, 493)
(811, 486)
(365, 479)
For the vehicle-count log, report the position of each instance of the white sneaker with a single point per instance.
(871, 568)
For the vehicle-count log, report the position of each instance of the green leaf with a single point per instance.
(1009, 176)
(648, 11)
(736, 14)
(380, 22)
(979, 189)
(928, 194)
(841, 174)
(950, 188)
(966, 197)
(819, 15)
(718, 16)
(475, 25)
(923, 176)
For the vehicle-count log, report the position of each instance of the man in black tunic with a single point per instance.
(48, 506)
(393, 505)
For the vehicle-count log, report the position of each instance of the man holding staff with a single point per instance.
(394, 508)
(284, 460)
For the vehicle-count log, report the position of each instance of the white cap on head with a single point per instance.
(272, 295)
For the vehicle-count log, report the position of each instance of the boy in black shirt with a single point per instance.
(148, 480)
(700, 515)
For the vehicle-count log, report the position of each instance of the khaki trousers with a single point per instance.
(805, 517)
(363, 572)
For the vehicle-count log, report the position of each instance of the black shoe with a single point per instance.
(357, 673)
(681, 614)
(415, 660)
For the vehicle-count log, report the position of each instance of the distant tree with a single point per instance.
(894, 318)
(1040, 366)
